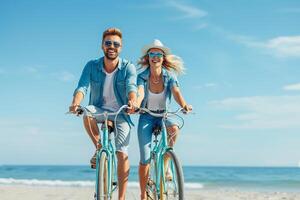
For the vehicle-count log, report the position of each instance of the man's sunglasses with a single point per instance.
(109, 43)
(155, 54)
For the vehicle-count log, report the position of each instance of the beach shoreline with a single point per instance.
(25, 192)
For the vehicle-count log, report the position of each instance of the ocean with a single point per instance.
(242, 178)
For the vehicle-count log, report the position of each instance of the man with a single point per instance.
(112, 82)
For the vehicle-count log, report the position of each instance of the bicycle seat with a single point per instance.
(110, 125)
(156, 130)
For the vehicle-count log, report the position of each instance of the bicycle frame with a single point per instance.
(160, 148)
(158, 151)
(109, 149)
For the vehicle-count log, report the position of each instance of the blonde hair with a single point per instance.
(171, 63)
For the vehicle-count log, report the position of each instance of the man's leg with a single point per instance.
(91, 127)
(122, 131)
(123, 173)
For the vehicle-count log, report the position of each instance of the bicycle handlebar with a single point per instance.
(164, 114)
(82, 110)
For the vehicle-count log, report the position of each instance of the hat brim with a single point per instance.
(146, 48)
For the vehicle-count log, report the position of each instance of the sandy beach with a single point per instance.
(20, 192)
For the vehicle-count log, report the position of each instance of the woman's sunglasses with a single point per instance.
(155, 54)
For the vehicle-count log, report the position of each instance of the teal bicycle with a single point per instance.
(106, 162)
(166, 179)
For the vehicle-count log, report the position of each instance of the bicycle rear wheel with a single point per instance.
(102, 188)
(172, 181)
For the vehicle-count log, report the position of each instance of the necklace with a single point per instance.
(155, 81)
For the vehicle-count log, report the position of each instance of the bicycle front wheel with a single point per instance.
(102, 185)
(171, 181)
(151, 185)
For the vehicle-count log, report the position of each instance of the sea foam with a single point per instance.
(52, 183)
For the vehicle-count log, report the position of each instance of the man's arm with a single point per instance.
(131, 88)
(132, 102)
(140, 95)
(76, 101)
(81, 89)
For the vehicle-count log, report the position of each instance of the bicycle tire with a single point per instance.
(151, 186)
(171, 186)
(102, 176)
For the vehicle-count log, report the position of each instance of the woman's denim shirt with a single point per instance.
(170, 80)
(93, 76)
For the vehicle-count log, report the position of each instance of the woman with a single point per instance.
(156, 84)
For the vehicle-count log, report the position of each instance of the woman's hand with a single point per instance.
(187, 108)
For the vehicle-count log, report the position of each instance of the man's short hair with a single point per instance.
(112, 31)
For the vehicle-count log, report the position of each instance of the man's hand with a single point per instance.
(132, 105)
(76, 102)
(73, 108)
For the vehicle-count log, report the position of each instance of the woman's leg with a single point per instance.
(173, 132)
(143, 176)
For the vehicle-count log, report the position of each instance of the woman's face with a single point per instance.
(156, 57)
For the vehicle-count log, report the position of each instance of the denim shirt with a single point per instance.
(170, 81)
(93, 77)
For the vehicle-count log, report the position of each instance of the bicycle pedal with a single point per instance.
(93, 166)
(150, 182)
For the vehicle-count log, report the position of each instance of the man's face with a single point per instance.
(111, 46)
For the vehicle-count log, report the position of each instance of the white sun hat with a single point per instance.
(157, 44)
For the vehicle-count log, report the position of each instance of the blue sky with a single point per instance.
(242, 61)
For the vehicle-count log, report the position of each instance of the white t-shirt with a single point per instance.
(109, 98)
(156, 101)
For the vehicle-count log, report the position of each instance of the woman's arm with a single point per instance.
(179, 99)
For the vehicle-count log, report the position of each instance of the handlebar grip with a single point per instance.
(136, 110)
(79, 111)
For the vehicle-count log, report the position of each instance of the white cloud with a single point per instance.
(66, 76)
(200, 26)
(33, 71)
(206, 85)
(286, 46)
(187, 10)
(24, 126)
(210, 85)
(295, 86)
(262, 112)
(282, 46)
